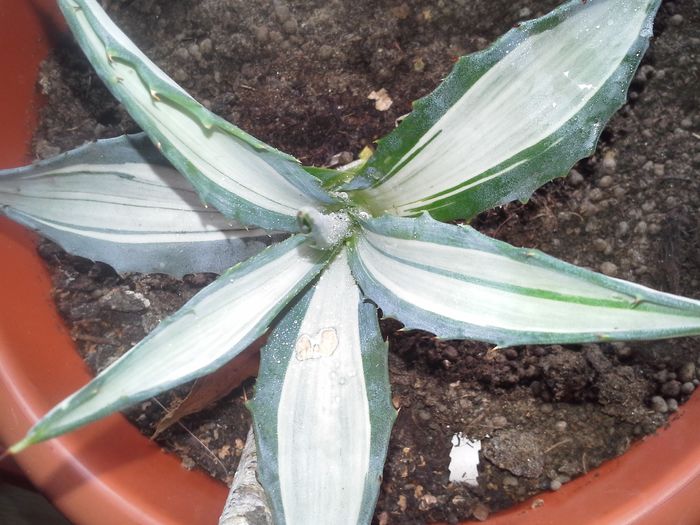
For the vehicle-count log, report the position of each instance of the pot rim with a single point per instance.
(108, 473)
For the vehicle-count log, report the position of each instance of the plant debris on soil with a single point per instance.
(298, 75)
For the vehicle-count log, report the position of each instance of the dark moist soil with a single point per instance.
(297, 75)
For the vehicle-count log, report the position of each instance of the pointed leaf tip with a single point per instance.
(513, 116)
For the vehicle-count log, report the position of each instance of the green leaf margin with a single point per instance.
(43, 430)
(428, 230)
(275, 356)
(228, 203)
(549, 159)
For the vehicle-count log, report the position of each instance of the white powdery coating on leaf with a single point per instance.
(225, 160)
(526, 97)
(327, 230)
(485, 306)
(181, 347)
(487, 266)
(115, 201)
(323, 415)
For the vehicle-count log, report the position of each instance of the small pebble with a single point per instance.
(547, 408)
(608, 268)
(282, 12)
(648, 206)
(672, 405)
(560, 426)
(205, 46)
(555, 484)
(261, 33)
(193, 49)
(609, 163)
(605, 182)
(510, 481)
(424, 415)
(595, 195)
(687, 388)
(451, 352)
(661, 376)
(510, 353)
(658, 404)
(687, 372)
(45, 150)
(686, 123)
(575, 178)
(600, 245)
(499, 422)
(588, 208)
(290, 26)
(623, 351)
(481, 512)
(671, 388)
(676, 20)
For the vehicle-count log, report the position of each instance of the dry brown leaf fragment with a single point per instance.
(210, 388)
(382, 100)
(402, 12)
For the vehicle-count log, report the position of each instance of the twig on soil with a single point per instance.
(246, 503)
(508, 219)
(562, 442)
(209, 451)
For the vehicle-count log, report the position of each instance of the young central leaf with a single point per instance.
(324, 230)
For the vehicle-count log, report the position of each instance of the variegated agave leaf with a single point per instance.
(511, 117)
(241, 176)
(322, 409)
(459, 284)
(212, 328)
(121, 202)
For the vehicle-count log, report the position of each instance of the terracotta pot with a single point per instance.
(109, 474)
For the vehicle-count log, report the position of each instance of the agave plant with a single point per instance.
(505, 121)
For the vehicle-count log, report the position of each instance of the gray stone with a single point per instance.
(658, 404)
(517, 451)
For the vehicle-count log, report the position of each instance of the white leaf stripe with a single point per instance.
(323, 415)
(321, 445)
(120, 202)
(241, 176)
(543, 86)
(212, 328)
(490, 269)
(466, 294)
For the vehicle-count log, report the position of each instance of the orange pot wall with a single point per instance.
(108, 474)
